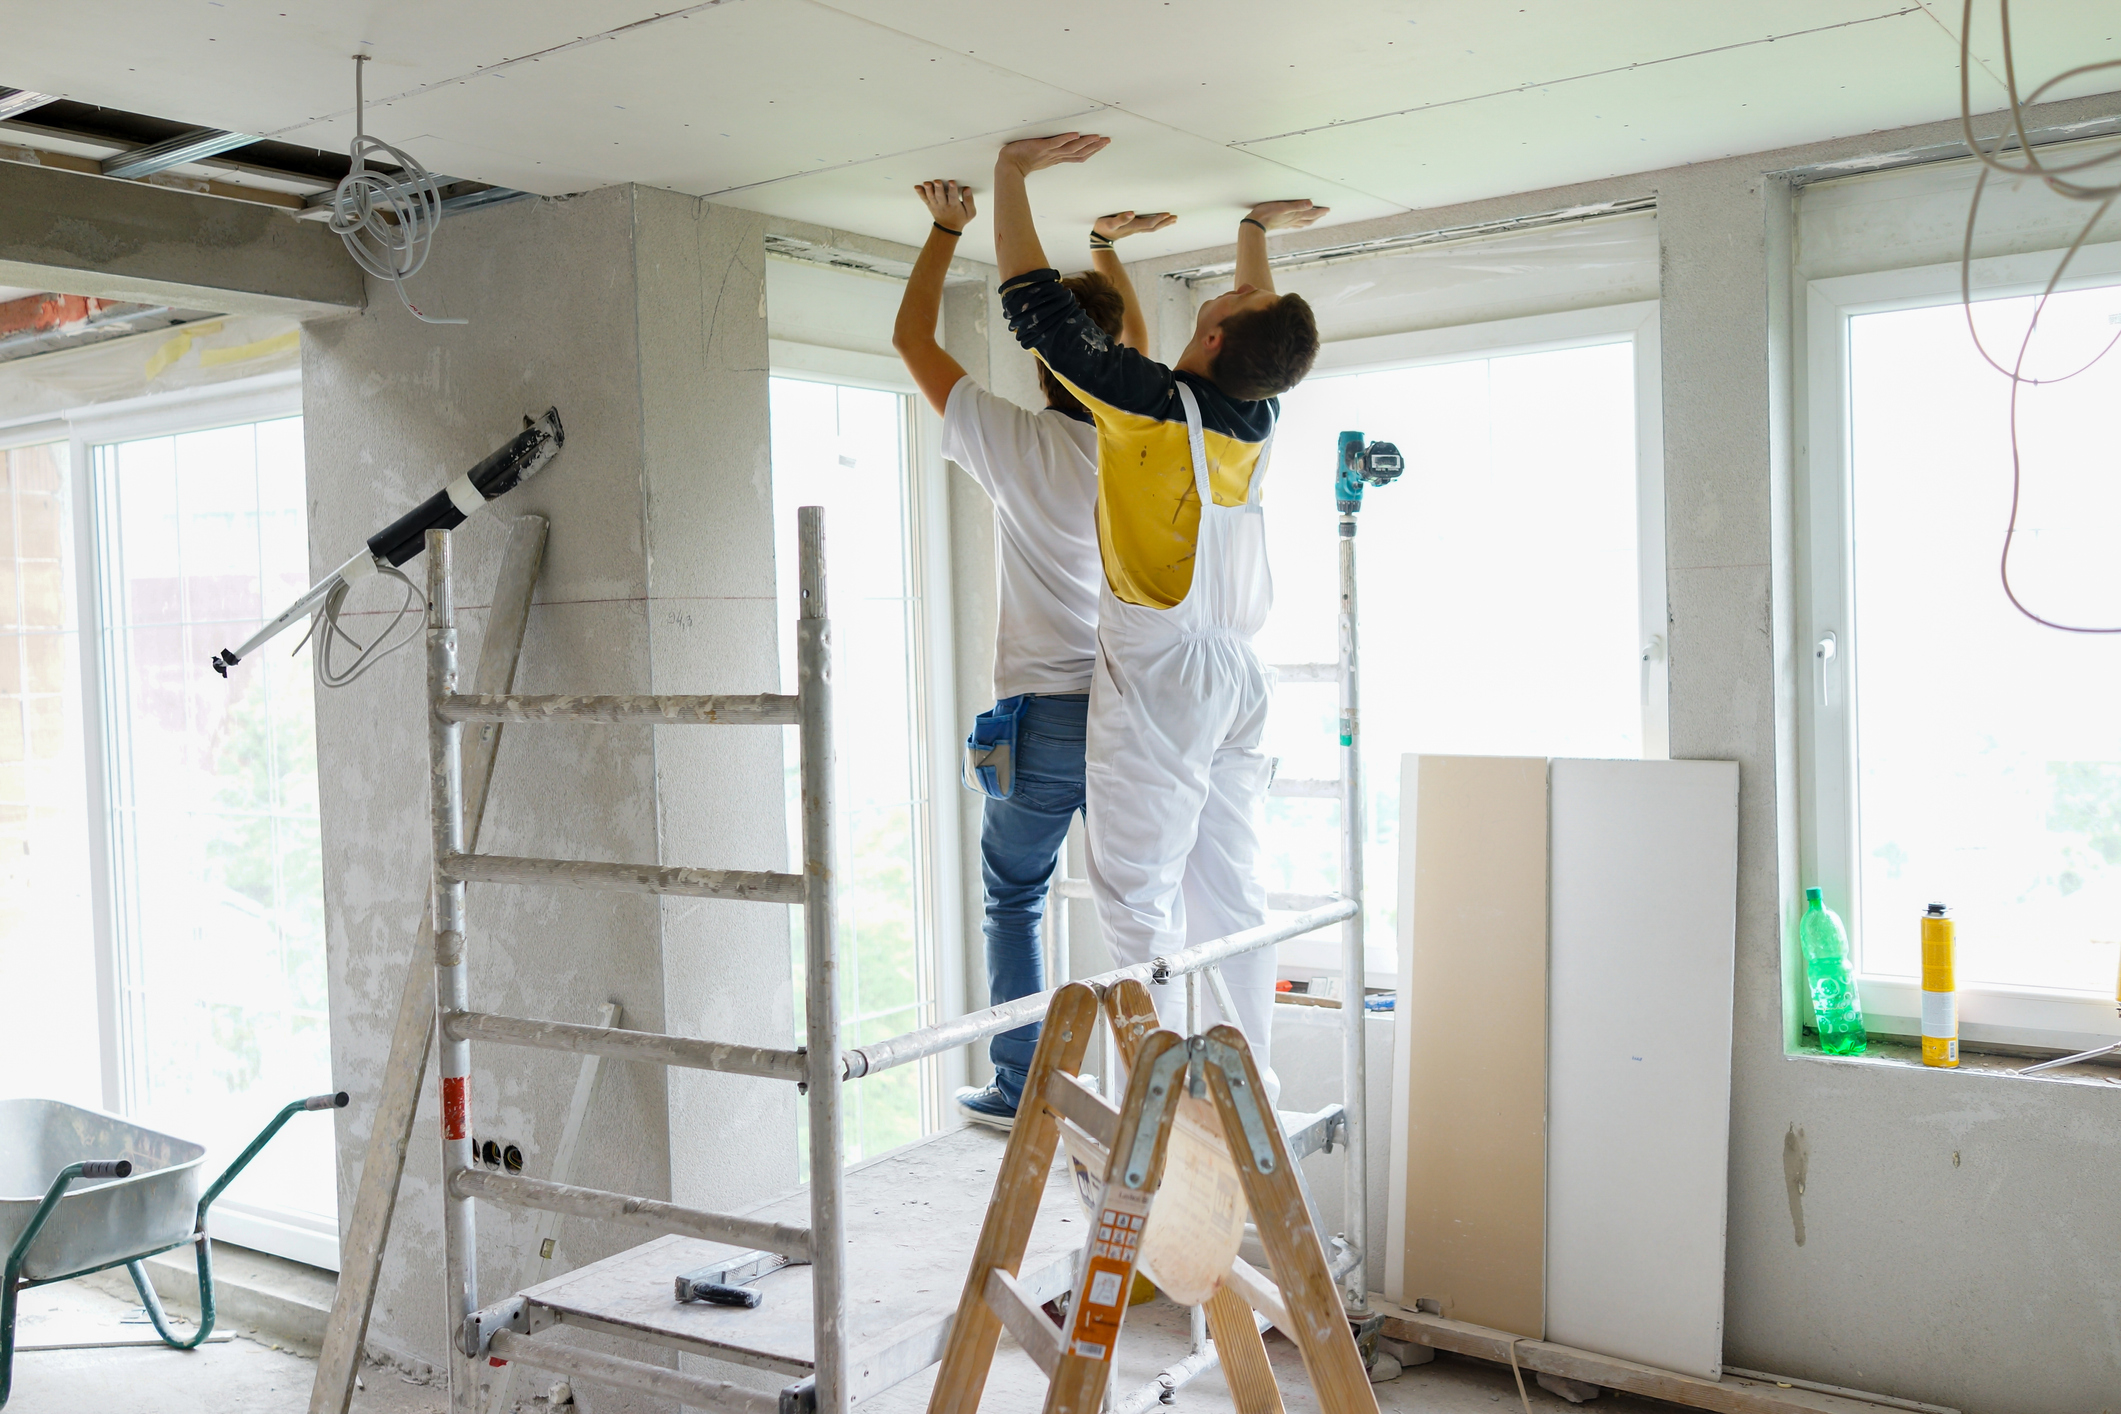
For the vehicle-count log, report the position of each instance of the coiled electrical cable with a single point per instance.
(387, 220)
(324, 628)
(2062, 181)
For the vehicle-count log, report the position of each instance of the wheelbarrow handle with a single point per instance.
(11, 1274)
(287, 1112)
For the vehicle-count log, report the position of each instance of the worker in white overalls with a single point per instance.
(1040, 468)
(1175, 781)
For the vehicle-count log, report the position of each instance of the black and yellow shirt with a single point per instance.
(1148, 512)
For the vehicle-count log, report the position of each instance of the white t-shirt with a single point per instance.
(1041, 470)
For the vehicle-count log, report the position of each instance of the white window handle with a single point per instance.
(1824, 654)
(1652, 655)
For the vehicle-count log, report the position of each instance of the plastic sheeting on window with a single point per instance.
(1575, 265)
(1915, 216)
(164, 360)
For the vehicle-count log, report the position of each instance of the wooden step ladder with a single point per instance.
(1133, 1142)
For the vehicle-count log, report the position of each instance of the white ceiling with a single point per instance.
(829, 111)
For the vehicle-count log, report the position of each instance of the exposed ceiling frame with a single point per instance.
(14, 102)
(185, 147)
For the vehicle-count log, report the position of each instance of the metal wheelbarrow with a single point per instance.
(143, 1199)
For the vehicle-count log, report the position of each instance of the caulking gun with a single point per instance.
(523, 457)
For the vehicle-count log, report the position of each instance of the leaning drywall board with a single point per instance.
(1644, 887)
(1469, 1118)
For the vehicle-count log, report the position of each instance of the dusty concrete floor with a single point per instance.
(241, 1376)
(238, 1376)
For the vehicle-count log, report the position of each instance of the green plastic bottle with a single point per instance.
(1826, 963)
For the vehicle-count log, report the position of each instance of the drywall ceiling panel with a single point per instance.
(259, 66)
(562, 95)
(2046, 39)
(749, 93)
(1244, 71)
(1815, 86)
(1147, 168)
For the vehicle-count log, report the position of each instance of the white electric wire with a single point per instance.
(2057, 178)
(324, 628)
(388, 222)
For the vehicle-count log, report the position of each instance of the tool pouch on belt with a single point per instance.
(990, 751)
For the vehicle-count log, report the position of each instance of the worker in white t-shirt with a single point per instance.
(1040, 468)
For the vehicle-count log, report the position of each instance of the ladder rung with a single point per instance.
(1260, 1293)
(515, 1191)
(754, 886)
(1039, 1337)
(652, 1047)
(764, 709)
(694, 1391)
(1299, 903)
(1072, 888)
(1306, 672)
(1069, 1098)
(1322, 787)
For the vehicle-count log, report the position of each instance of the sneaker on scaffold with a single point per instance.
(984, 1105)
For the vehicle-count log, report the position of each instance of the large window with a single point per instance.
(1511, 583)
(47, 931)
(178, 902)
(849, 449)
(1961, 753)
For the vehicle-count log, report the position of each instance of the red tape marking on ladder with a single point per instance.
(456, 1106)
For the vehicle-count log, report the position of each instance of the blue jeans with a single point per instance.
(1020, 841)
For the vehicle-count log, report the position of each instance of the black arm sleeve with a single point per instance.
(1047, 320)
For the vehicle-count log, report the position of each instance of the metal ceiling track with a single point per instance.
(1354, 250)
(14, 102)
(193, 146)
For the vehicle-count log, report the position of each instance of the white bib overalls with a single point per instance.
(1174, 778)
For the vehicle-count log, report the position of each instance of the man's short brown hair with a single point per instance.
(1100, 299)
(1266, 352)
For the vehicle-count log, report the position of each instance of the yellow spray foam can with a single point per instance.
(1940, 989)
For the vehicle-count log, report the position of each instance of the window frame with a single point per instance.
(939, 943)
(236, 403)
(1636, 322)
(1826, 685)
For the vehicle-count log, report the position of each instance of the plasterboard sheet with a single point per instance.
(1644, 878)
(1344, 62)
(1471, 1122)
(1879, 74)
(1148, 167)
(739, 95)
(563, 95)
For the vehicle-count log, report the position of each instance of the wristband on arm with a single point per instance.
(1098, 242)
(946, 230)
(1248, 221)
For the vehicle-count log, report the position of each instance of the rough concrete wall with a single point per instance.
(1957, 1228)
(712, 625)
(1952, 1244)
(556, 292)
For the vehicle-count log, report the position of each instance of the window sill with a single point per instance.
(1974, 1059)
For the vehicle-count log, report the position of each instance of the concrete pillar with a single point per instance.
(640, 315)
